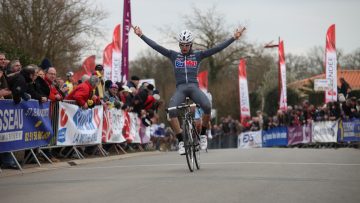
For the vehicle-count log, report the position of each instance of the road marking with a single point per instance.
(218, 163)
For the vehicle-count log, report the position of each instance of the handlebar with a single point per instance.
(182, 107)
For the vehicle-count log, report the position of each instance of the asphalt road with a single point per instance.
(257, 175)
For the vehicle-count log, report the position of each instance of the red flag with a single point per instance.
(243, 92)
(331, 65)
(282, 78)
(203, 80)
(117, 38)
(87, 68)
(107, 61)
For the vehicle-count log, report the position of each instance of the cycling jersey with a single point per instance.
(186, 67)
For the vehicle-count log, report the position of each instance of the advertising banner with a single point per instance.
(331, 65)
(113, 125)
(299, 134)
(275, 137)
(282, 78)
(249, 140)
(325, 131)
(25, 125)
(78, 126)
(135, 127)
(349, 130)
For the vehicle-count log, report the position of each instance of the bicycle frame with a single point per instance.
(191, 136)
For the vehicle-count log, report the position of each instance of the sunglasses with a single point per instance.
(185, 45)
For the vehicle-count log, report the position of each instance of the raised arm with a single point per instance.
(219, 47)
(151, 43)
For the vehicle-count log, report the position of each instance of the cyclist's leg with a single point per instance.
(197, 118)
(176, 100)
(200, 98)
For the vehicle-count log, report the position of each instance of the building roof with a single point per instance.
(350, 76)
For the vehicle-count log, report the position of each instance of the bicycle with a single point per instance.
(190, 136)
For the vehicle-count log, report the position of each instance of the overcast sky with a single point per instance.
(302, 24)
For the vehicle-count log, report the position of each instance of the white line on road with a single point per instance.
(217, 163)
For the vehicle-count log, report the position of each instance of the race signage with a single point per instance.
(78, 126)
(250, 139)
(25, 125)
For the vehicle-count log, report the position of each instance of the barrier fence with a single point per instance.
(340, 131)
(32, 125)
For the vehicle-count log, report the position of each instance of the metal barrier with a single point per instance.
(223, 140)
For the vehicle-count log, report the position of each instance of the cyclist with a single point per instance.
(186, 66)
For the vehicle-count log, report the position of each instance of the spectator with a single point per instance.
(50, 77)
(40, 84)
(16, 82)
(133, 84)
(260, 116)
(29, 73)
(83, 93)
(347, 108)
(281, 118)
(4, 88)
(99, 90)
(125, 96)
(107, 85)
(45, 64)
(69, 83)
(111, 98)
(335, 112)
(255, 125)
(344, 88)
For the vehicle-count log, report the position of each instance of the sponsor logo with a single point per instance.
(61, 135)
(189, 63)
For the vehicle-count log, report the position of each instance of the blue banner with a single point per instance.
(275, 137)
(349, 130)
(25, 125)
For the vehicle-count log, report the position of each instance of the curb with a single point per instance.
(71, 163)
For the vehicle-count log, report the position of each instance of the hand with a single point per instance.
(43, 99)
(137, 31)
(239, 32)
(58, 97)
(85, 106)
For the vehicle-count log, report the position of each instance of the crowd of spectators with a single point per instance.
(42, 83)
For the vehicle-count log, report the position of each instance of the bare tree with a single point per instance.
(210, 30)
(351, 60)
(56, 29)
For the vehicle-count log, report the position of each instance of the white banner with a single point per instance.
(249, 140)
(135, 127)
(322, 85)
(115, 125)
(78, 126)
(325, 131)
(331, 74)
(116, 67)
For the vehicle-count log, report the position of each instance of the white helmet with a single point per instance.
(185, 37)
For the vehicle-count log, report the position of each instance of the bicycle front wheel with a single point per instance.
(190, 154)
(189, 143)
